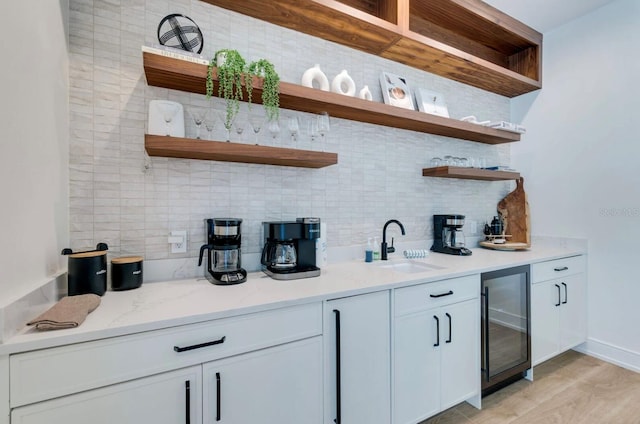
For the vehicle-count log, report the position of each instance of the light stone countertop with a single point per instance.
(172, 303)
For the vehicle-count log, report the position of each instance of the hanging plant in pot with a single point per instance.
(270, 87)
(230, 66)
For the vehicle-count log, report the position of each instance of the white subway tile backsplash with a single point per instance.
(378, 176)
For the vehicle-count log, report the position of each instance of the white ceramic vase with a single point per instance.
(315, 74)
(343, 84)
(365, 93)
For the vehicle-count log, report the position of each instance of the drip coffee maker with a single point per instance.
(290, 249)
(224, 258)
(448, 236)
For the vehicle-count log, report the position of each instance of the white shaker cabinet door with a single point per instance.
(573, 314)
(460, 341)
(417, 367)
(169, 398)
(545, 320)
(282, 385)
(357, 375)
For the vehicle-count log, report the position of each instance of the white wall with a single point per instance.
(34, 145)
(580, 162)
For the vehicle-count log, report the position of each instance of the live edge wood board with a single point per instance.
(187, 148)
(186, 76)
(464, 40)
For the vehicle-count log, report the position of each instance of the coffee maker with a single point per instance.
(448, 236)
(289, 251)
(224, 258)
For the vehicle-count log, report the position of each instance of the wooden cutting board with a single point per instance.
(514, 210)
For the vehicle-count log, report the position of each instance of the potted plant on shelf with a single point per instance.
(270, 87)
(230, 67)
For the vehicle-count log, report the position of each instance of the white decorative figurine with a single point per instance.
(343, 84)
(316, 75)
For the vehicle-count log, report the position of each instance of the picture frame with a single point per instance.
(431, 102)
(395, 91)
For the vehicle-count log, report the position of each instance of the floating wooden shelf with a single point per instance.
(469, 173)
(464, 40)
(187, 148)
(182, 75)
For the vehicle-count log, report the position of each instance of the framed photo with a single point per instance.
(395, 91)
(431, 102)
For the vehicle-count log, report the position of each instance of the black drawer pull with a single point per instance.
(564, 268)
(559, 299)
(449, 293)
(565, 293)
(218, 388)
(198, 346)
(437, 343)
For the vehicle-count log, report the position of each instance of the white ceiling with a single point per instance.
(545, 15)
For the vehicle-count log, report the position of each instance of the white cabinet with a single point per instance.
(436, 348)
(558, 307)
(262, 367)
(357, 360)
(281, 384)
(168, 398)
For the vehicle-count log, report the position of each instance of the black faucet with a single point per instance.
(383, 247)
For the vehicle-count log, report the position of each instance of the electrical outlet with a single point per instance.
(178, 240)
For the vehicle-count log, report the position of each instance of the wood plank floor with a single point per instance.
(570, 389)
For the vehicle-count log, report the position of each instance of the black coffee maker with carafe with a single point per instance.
(447, 235)
(289, 249)
(224, 265)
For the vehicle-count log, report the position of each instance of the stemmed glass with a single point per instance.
(323, 125)
(256, 122)
(274, 128)
(227, 121)
(294, 127)
(210, 123)
(168, 110)
(197, 115)
(238, 126)
(313, 128)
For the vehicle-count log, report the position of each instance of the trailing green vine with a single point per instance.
(230, 78)
(270, 88)
(233, 72)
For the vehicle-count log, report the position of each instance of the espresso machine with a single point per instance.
(289, 251)
(448, 236)
(224, 265)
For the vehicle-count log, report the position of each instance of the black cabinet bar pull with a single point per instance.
(437, 343)
(218, 386)
(198, 346)
(187, 394)
(559, 300)
(565, 294)
(486, 333)
(338, 418)
(449, 339)
(449, 293)
(563, 268)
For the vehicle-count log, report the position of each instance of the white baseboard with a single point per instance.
(614, 354)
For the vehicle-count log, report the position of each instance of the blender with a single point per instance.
(224, 258)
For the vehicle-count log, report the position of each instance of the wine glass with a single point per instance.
(312, 126)
(227, 121)
(274, 128)
(294, 127)
(323, 125)
(168, 110)
(256, 122)
(210, 124)
(197, 115)
(238, 126)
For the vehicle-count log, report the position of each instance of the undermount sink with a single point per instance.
(410, 267)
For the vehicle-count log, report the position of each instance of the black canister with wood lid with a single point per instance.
(126, 273)
(87, 271)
